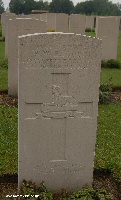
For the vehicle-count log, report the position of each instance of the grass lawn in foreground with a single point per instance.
(0, 31)
(93, 34)
(114, 74)
(108, 145)
(8, 140)
(3, 71)
(2, 51)
(3, 79)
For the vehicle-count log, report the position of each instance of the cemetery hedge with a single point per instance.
(112, 64)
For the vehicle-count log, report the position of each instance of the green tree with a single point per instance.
(86, 7)
(62, 6)
(40, 5)
(16, 6)
(29, 5)
(1, 7)
(98, 7)
(46, 5)
(26, 6)
(106, 7)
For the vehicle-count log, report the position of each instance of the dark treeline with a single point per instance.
(98, 7)
(1, 7)
(89, 7)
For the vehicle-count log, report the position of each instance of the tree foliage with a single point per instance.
(62, 6)
(1, 7)
(98, 7)
(16, 6)
(26, 6)
(89, 7)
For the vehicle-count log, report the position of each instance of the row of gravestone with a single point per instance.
(107, 29)
(57, 77)
(57, 21)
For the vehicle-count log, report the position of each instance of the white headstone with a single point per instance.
(107, 28)
(58, 106)
(18, 27)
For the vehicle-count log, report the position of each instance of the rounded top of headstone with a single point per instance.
(61, 34)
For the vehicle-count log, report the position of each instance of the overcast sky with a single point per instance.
(6, 2)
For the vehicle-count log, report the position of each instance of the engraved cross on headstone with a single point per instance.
(62, 107)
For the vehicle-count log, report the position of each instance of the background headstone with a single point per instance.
(61, 22)
(33, 16)
(43, 17)
(4, 20)
(77, 23)
(51, 21)
(18, 27)
(90, 22)
(107, 28)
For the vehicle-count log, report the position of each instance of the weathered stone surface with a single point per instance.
(51, 21)
(58, 107)
(4, 20)
(34, 16)
(107, 28)
(61, 22)
(77, 23)
(56, 21)
(18, 27)
(13, 16)
(7, 33)
(109, 48)
(43, 17)
(90, 22)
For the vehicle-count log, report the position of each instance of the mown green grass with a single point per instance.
(93, 34)
(3, 79)
(108, 145)
(8, 140)
(2, 51)
(3, 72)
(113, 74)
